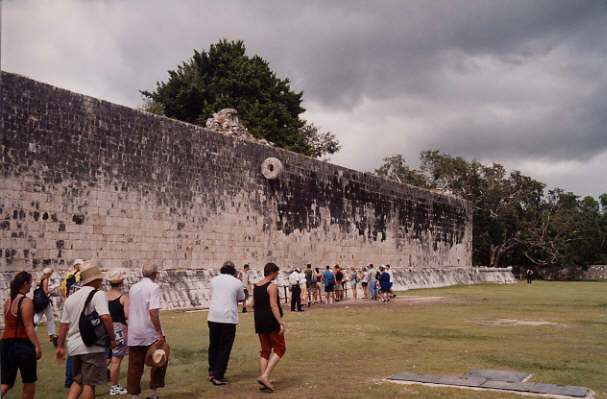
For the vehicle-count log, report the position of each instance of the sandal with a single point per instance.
(265, 386)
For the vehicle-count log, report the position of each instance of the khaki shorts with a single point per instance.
(89, 369)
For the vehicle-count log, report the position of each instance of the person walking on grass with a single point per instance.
(529, 274)
(247, 280)
(372, 287)
(316, 279)
(354, 282)
(42, 284)
(268, 324)
(69, 285)
(88, 362)
(118, 304)
(145, 333)
(19, 348)
(310, 280)
(295, 287)
(384, 284)
(329, 278)
(226, 292)
(339, 284)
(365, 282)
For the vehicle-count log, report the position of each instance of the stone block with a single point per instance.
(500, 375)
(553, 389)
(507, 386)
(472, 381)
(426, 378)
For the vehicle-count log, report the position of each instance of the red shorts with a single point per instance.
(271, 341)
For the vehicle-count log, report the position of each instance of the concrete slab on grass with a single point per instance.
(495, 379)
(427, 378)
(498, 375)
(474, 382)
(554, 389)
(507, 386)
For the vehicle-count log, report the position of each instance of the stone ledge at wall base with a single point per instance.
(409, 278)
(190, 289)
(579, 273)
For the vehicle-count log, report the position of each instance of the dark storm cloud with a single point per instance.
(518, 82)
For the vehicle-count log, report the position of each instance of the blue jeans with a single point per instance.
(68, 372)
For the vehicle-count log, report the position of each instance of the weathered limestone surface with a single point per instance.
(84, 178)
(89, 179)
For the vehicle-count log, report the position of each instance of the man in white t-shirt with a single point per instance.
(247, 281)
(226, 292)
(88, 362)
(295, 280)
(391, 274)
(144, 331)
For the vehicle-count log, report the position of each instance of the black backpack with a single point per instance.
(91, 326)
(41, 300)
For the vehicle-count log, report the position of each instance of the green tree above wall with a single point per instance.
(225, 77)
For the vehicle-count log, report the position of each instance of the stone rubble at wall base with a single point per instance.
(187, 289)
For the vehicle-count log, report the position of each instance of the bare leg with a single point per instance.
(115, 370)
(272, 362)
(74, 391)
(28, 391)
(263, 364)
(88, 392)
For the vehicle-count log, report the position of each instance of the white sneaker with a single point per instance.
(117, 390)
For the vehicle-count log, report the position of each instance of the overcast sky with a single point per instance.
(519, 82)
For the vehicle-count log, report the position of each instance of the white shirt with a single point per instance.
(226, 291)
(143, 297)
(390, 274)
(71, 315)
(246, 278)
(296, 278)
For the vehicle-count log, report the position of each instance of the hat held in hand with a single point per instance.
(157, 355)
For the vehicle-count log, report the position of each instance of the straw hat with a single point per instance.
(114, 276)
(89, 272)
(157, 355)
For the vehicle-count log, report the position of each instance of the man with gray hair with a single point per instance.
(144, 332)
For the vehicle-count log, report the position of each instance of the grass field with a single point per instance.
(346, 350)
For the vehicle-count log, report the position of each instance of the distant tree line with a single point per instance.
(516, 221)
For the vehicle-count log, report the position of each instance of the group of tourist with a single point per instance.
(93, 326)
(375, 284)
(129, 325)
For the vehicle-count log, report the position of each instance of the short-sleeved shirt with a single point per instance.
(390, 274)
(143, 297)
(329, 277)
(226, 292)
(246, 278)
(71, 315)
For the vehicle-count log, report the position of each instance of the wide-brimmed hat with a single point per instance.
(114, 276)
(89, 272)
(157, 355)
(77, 262)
